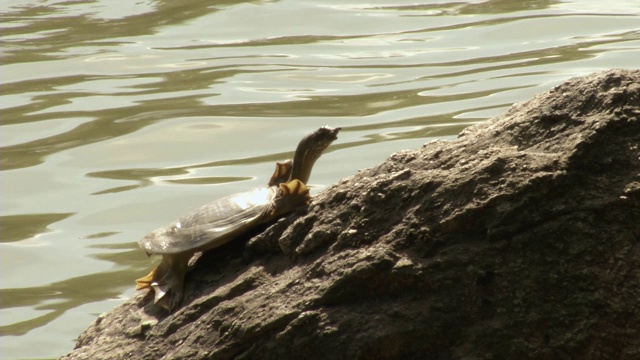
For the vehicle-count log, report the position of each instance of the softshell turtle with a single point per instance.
(222, 220)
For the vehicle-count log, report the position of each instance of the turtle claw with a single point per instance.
(166, 297)
(159, 291)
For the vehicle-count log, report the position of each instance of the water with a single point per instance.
(119, 116)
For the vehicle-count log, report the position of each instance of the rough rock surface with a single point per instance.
(518, 240)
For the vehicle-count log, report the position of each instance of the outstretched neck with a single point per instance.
(303, 162)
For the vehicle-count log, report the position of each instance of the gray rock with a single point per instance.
(520, 239)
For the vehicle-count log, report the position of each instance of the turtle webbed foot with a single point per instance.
(293, 194)
(145, 282)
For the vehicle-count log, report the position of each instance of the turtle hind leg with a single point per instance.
(167, 281)
(167, 297)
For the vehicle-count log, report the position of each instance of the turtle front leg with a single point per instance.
(282, 173)
(167, 280)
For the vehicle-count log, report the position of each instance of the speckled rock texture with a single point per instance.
(518, 240)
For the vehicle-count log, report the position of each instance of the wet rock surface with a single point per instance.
(520, 239)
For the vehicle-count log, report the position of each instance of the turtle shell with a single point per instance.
(211, 225)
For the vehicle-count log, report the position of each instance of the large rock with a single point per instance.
(520, 239)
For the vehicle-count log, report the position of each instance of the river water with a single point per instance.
(118, 116)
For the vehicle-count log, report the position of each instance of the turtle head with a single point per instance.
(309, 150)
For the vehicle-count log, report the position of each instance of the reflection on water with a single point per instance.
(18, 227)
(118, 116)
